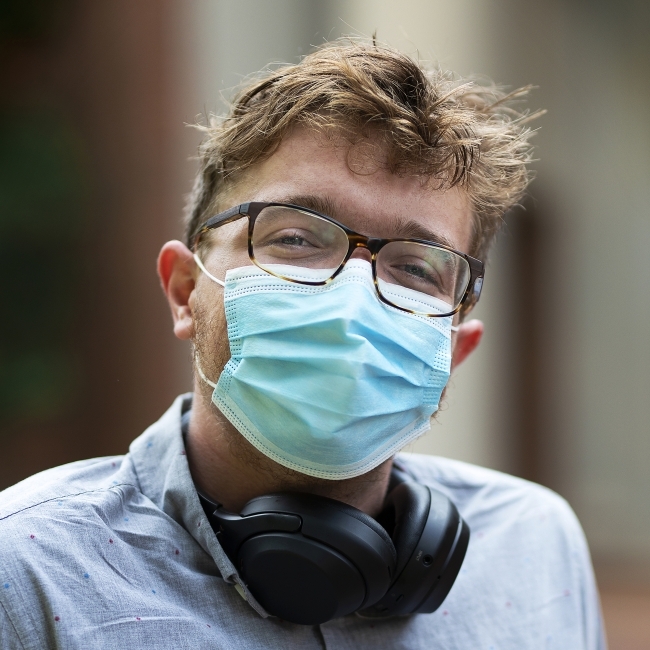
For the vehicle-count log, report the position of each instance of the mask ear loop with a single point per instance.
(205, 379)
(199, 263)
(198, 369)
(454, 328)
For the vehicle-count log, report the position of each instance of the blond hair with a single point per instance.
(429, 123)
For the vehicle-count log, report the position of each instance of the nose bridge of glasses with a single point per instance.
(363, 247)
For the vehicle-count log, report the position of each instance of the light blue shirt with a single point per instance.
(116, 553)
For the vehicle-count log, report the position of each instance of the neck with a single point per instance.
(230, 471)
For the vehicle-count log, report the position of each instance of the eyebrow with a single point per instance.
(324, 205)
(411, 229)
(403, 227)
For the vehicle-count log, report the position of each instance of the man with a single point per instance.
(332, 254)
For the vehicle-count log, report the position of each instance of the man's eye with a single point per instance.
(291, 240)
(415, 270)
(419, 273)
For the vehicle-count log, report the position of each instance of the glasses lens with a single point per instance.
(297, 245)
(422, 278)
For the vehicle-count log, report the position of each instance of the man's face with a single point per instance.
(344, 183)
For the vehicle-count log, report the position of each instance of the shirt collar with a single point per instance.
(163, 472)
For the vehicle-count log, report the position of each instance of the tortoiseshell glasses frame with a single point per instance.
(469, 294)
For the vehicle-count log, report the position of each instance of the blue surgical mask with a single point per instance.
(328, 380)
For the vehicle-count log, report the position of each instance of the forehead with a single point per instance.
(357, 189)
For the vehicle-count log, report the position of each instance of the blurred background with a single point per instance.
(95, 158)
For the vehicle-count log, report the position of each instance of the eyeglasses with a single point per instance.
(303, 246)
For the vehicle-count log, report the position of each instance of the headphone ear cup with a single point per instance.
(431, 539)
(338, 560)
(300, 580)
(404, 516)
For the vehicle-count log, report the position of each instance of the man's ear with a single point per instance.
(467, 339)
(176, 272)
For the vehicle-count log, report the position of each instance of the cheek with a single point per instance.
(210, 332)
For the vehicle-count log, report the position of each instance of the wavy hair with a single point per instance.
(430, 123)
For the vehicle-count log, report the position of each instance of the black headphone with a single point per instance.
(308, 559)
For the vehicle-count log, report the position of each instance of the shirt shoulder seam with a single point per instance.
(65, 496)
